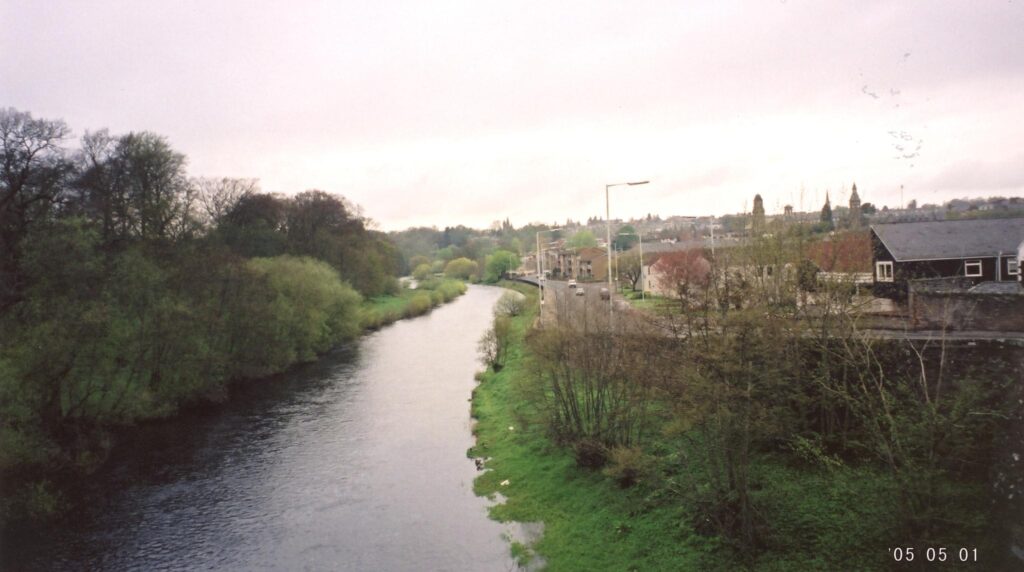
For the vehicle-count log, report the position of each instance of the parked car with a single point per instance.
(580, 292)
(572, 283)
(605, 295)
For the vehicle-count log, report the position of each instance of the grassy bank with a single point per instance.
(590, 523)
(376, 313)
(815, 511)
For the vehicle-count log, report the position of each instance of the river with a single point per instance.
(355, 462)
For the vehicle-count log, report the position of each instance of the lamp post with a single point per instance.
(540, 267)
(608, 236)
(640, 235)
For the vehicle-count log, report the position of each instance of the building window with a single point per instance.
(972, 268)
(883, 271)
(1013, 266)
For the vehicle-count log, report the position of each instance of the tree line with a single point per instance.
(129, 289)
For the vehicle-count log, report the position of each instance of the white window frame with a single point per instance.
(970, 263)
(884, 271)
(1012, 266)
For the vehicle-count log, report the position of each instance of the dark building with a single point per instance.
(757, 222)
(982, 250)
(855, 213)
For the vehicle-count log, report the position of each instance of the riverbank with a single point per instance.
(40, 471)
(815, 510)
(354, 462)
(589, 522)
(376, 313)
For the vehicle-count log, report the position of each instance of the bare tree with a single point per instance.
(216, 197)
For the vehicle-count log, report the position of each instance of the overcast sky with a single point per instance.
(441, 113)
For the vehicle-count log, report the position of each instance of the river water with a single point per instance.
(356, 462)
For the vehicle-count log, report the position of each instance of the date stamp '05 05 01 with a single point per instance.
(934, 554)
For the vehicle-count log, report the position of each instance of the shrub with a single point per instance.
(495, 342)
(510, 304)
(627, 465)
(461, 268)
(590, 453)
(418, 305)
(422, 272)
(437, 298)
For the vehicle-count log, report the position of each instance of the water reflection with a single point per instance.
(357, 462)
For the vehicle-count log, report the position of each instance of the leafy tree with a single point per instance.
(626, 238)
(461, 268)
(499, 264)
(255, 226)
(582, 239)
(313, 309)
(153, 197)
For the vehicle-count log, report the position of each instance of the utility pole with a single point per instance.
(540, 265)
(608, 237)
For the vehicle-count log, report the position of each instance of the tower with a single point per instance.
(855, 213)
(757, 223)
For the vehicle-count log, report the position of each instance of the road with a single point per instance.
(567, 307)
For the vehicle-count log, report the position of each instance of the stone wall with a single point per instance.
(948, 306)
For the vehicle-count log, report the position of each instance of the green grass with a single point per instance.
(649, 303)
(590, 523)
(817, 518)
(376, 313)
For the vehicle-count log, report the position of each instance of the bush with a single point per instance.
(422, 272)
(418, 305)
(510, 304)
(627, 465)
(495, 342)
(461, 268)
(590, 453)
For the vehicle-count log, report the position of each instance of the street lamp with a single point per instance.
(608, 236)
(641, 236)
(540, 267)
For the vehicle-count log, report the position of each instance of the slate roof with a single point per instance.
(951, 239)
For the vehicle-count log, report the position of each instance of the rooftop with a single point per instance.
(938, 240)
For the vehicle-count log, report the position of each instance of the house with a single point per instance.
(673, 272)
(593, 264)
(979, 250)
(590, 263)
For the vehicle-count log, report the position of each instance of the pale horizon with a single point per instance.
(464, 113)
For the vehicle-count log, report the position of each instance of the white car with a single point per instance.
(572, 283)
(580, 292)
